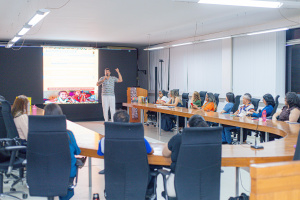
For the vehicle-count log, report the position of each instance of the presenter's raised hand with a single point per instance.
(117, 70)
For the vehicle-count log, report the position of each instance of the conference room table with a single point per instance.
(232, 155)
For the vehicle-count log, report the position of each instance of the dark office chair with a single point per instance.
(236, 105)
(185, 100)
(297, 151)
(9, 120)
(10, 146)
(217, 98)
(202, 96)
(197, 173)
(48, 156)
(3, 133)
(255, 103)
(125, 161)
(275, 107)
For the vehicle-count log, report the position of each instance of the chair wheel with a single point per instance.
(154, 125)
(25, 196)
(5, 182)
(12, 189)
(147, 124)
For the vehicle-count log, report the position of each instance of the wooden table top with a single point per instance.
(236, 155)
(232, 155)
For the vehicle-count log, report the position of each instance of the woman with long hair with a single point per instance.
(230, 102)
(54, 109)
(196, 100)
(211, 104)
(291, 111)
(167, 121)
(19, 112)
(269, 102)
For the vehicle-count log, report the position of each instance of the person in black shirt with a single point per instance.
(172, 148)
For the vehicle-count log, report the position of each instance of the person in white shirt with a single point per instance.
(19, 113)
(247, 107)
(162, 97)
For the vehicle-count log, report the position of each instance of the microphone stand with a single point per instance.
(255, 146)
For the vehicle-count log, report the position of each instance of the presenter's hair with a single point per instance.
(53, 109)
(20, 105)
(230, 97)
(121, 116)
(197, 121)
(107, 69)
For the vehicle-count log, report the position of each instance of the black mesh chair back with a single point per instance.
(297, 151)
(276, 105)
(255, 103)
(3, 133)
(237, 102)
(202, 96)
(9, 120)
(48, 156)
(125, 161)
(197, 173)
(185, 99)
(217, 98)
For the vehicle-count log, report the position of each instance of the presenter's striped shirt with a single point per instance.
(108, 86)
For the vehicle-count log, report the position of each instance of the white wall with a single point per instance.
(254, 64)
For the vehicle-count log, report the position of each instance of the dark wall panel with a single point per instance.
(126, 61)
(21, 72)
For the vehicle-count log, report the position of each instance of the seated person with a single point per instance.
(64, 98)
(196, 100)
(167, 121)
(291, 111)
(269, 102)
(245, 109)
(54, 109)
(19, 112)
(210, 105)
(162, 98)
(171, 150)
(228, 107)
(121, 116)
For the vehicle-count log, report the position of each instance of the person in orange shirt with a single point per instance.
(210, 104)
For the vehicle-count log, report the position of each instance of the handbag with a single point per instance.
(242, 197)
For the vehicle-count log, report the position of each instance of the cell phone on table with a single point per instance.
(192, 104)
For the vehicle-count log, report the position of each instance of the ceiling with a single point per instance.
(131, 22)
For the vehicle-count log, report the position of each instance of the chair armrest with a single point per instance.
(15, 148)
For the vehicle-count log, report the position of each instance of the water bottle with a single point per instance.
(34, 108)
(264, 116)
(96, 196)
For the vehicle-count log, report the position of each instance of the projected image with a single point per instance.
(70, 75)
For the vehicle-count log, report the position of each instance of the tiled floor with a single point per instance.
(84, 192)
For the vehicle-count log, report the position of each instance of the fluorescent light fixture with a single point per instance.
(39, 15)
(24, 30)
(182, 44)
(250, 3)
(268, 31)
(9, 45)
(154, 48)
(15, 39)
(208, 40)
